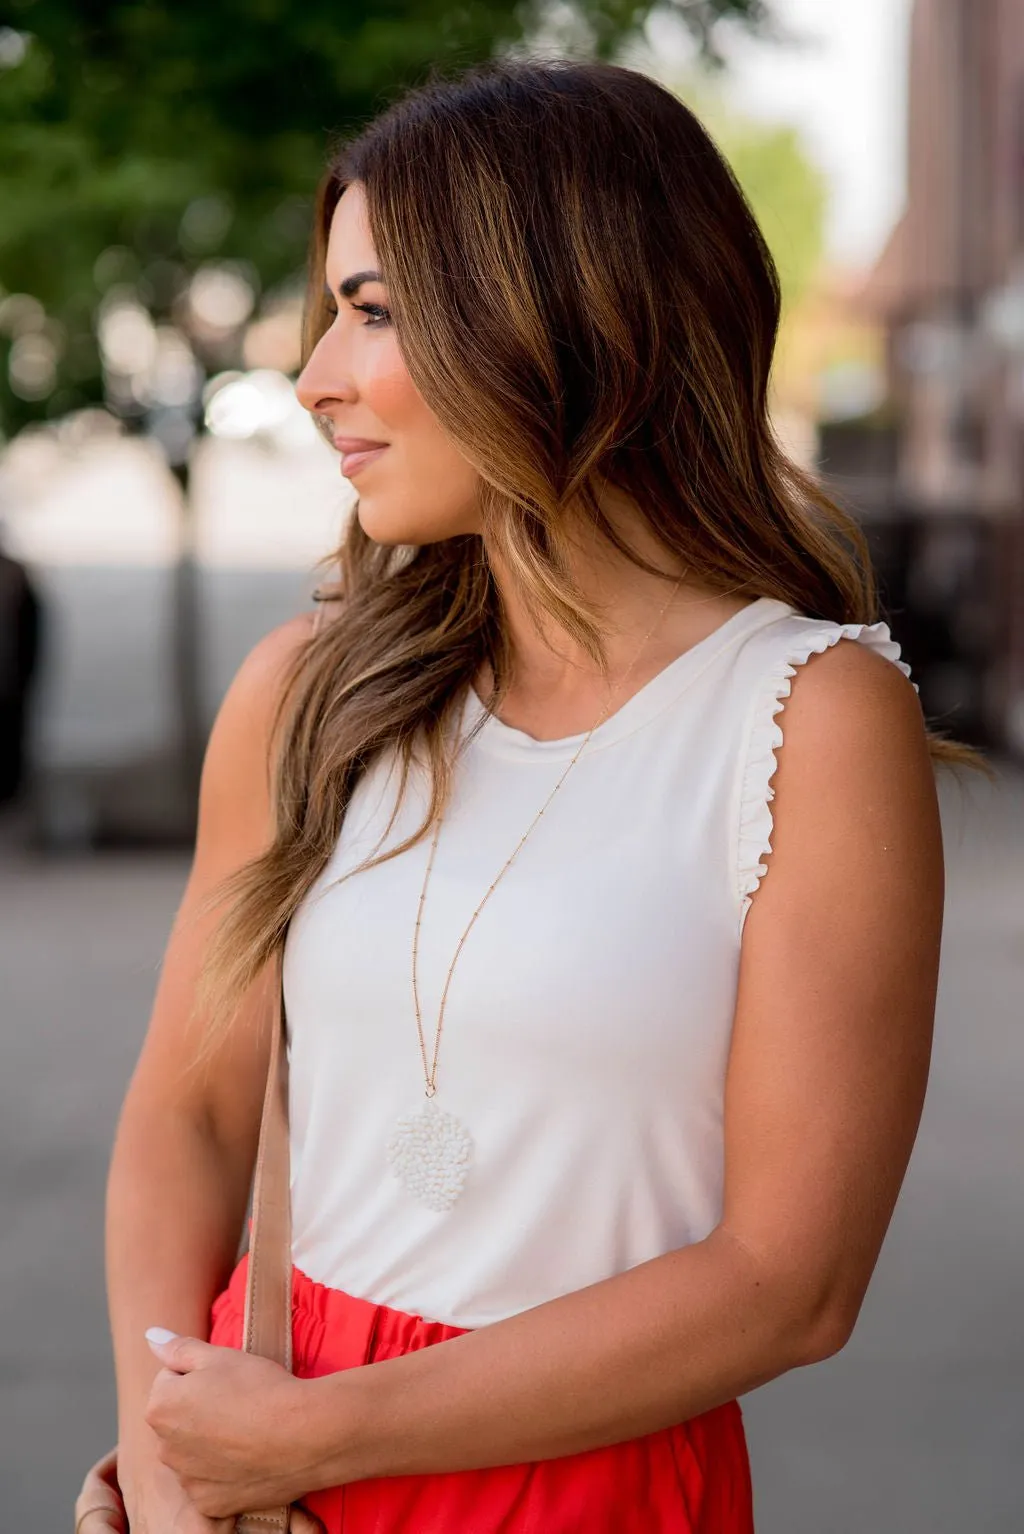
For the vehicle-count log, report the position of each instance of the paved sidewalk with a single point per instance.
(915, 1428)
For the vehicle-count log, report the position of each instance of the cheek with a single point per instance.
(426, 489)
(417, 436)
(392, 396)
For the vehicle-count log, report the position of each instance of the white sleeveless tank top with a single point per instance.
(588, 1022)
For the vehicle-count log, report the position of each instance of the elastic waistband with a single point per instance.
(331, 1328)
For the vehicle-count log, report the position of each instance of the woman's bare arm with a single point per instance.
(827, 1075)
(180, 1170)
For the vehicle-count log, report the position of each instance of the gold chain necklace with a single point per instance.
(430, 1150)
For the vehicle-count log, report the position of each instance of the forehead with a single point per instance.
(350, 245)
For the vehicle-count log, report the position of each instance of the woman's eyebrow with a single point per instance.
(351, 285)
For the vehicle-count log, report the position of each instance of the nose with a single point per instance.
(324, 378)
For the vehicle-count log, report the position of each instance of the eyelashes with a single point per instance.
(379, 315)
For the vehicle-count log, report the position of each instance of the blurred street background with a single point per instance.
(164, 502)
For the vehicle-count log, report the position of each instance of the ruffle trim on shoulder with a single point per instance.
(756, 794)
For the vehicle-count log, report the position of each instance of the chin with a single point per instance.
(395, 525)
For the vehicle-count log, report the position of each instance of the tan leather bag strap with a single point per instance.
(268, 1310)
(267, 1323)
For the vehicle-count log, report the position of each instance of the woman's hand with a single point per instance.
(99, 1503)
(162, 1506)
(125, 1492)
(157, 1503)
(231, 1427)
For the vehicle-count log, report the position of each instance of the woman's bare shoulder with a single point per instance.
(262, 674)
(234, 799)
(854, 794)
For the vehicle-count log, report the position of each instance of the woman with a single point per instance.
(594, 1126)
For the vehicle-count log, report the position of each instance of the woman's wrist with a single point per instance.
(137, 1445)
(334, 1437)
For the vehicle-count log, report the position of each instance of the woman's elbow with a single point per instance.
(829, 1322)
(826, 1336)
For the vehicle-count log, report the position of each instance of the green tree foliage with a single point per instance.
(786, 189)
(788, 194)
(140, 139)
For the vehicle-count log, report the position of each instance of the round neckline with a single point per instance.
(649, 700)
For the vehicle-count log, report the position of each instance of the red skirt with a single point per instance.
(689, 1479)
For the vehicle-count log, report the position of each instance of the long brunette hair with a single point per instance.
(582, 294)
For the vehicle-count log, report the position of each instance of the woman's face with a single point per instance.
(414, 486)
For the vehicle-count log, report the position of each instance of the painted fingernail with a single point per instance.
(159, 1334)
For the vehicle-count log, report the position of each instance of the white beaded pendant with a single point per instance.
(430, 1151)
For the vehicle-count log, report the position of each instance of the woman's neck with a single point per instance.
(556, 688)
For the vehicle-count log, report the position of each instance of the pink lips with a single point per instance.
(355, 452)
(351, 463)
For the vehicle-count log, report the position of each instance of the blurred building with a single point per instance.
(944, 481)
(951, 279)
